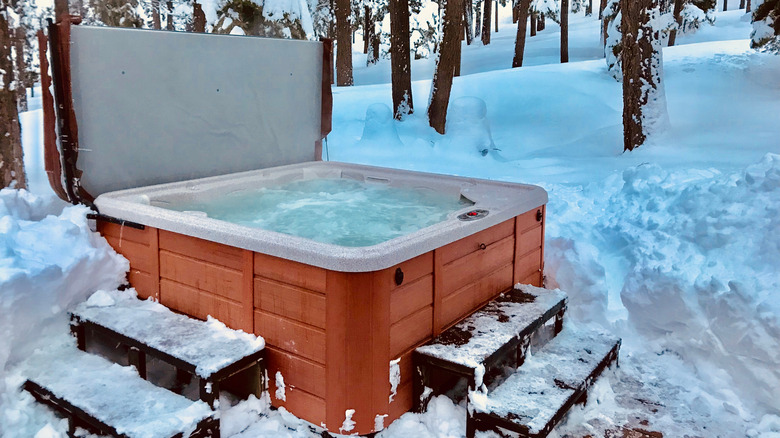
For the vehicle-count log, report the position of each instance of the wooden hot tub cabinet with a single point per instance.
(333, 334)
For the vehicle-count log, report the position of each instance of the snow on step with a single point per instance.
(545, 384)
(209, 345)
(115, 395)
(495, 325)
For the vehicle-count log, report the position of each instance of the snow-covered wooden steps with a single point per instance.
(205, 349)
(484, 343)
(535, 398)
(113, 400)
(488, 350)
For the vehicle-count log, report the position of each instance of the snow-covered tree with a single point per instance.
(644, 98)
(445, 66)
(115, 13)
(766, 26)
(271, 18)
(11, 162)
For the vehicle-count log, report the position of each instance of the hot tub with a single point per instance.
(333, 317)
(167, 123)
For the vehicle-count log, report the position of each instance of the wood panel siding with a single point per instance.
(214, 253)
(473, 266)
(470, 244)
(295, 337)
(529, 247)
(140, 248)
(297, 371)
(205, 277)
(199, 304)
(411, 297)
(289, 272)
(290, 302)
(468, 298)
(411, 331)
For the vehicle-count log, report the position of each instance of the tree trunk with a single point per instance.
(534, 23)
(445, 67)
(198, 18)
(366, 32)
(169, 21)
(496, 30)
(522, 21)
(742, 4)
(343, 44)
(457, 61)
(747, 6)
(564, 30)
(468, 21)
(589, 8)
(602, 6)
(725, 5)
(644, 102)
(60, 8)
(156, 22)
(486, 22)
(11, 159)
(678, 6)
(514, 11)
(21, 70)
(540, 24)
(478, 19)
(401, 70)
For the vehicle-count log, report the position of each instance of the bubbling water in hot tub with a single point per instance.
(338, 211)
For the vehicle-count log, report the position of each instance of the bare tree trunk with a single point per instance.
(468, 21)
(401, 70)
(747, 6)
(725, 5)
(540, 24)
(21, 70)
(564, 30)
(169, 19)
(742, 4)
(514, 11)
(496, 30)
(11, 159)
(602, 6)
(644, 103)
(522, 22)
(457, 61)
(343, 44)
(198, 18)
(534, 22)
(589, 8)
(478, 19)
(486, 23)
(368, 28)
(678, 6)
(156, 22)
(373, 49)
(445, 67)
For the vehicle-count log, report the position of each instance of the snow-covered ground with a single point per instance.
(675, 246)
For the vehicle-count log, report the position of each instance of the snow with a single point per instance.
(674, 247)
(114, 394)
(279, 380)
(210, 345)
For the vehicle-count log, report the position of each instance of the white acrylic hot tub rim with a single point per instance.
(503, 200)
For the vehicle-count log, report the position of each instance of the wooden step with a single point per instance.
(205, 349)
(110, 399)
(537, 396)
(478, 347)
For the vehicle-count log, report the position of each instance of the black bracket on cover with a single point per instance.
(113, 220)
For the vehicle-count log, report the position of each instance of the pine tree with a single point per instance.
(766, 26)
(445, 65)
(401, 68)
(486, 22)
(11, 161)
(522, 19)
(644, 100)
(343, 43)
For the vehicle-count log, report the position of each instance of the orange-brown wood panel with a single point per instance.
(529, 240)
(470, 244)
(212, 252)
(472, 267)
(411, 297)
(402, 402)
(290, 302)
(198, 304)
(143, 283)
(288, 335)
(202, 275)
(301, 403)
(298, 372)
(294, 273)
(141, 256)
(534, 279)
(412, 269)
(470, 297)
(529, 219)
(529, 264)
(438, 291)
(411, 331)
(248, 292)
(125, 233)
(358, 319)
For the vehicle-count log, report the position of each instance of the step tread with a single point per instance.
(208, 345)
(471, 341)
(115, 395)
(547, 381)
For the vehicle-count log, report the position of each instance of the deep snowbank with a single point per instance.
(49, 260)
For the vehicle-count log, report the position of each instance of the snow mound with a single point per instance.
(379, 129)
(467, 126)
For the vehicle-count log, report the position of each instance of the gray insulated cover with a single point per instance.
(155, 106)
